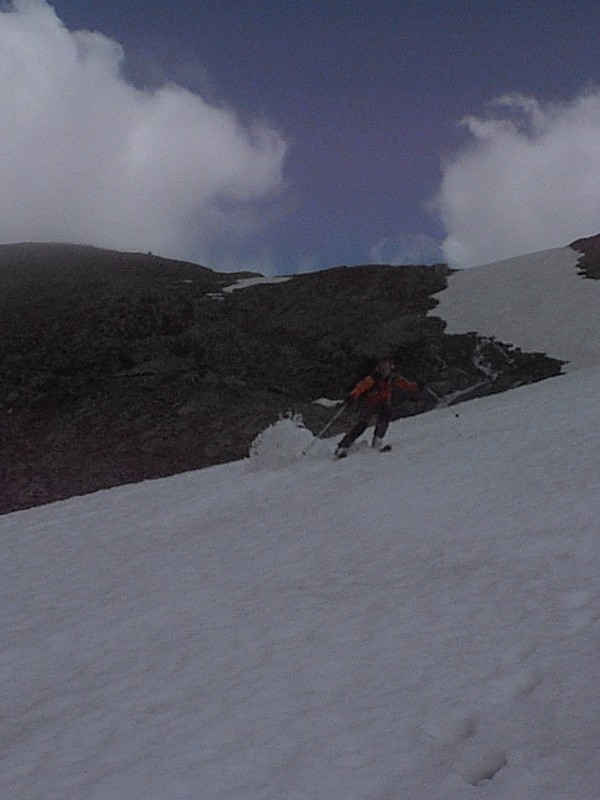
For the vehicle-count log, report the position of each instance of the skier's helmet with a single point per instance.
(386, 367)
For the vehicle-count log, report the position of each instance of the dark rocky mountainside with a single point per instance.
(118, 367)
(589, 263)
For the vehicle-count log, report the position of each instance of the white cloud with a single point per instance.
(406, 248)
(528, 179)
(87, 157)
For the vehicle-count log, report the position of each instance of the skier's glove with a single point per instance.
(349, 401)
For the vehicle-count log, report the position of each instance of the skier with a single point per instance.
(373, 396)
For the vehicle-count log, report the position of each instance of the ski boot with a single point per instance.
(377, 444)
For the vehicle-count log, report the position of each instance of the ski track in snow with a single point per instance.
(417, 625)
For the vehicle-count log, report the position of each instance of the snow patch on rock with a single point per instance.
(538, 302)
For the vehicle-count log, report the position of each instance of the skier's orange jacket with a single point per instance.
(378, 390)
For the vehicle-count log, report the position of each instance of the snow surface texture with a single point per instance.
(538, 302)
(423, 625)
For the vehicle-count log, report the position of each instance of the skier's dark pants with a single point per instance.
(366, 412)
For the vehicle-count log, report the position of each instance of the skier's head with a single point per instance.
(385, 368)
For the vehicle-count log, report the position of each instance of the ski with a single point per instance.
(387, 448)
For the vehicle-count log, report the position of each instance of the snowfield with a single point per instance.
(418, 625)
(537, 302)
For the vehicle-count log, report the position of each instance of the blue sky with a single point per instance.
(343, 140)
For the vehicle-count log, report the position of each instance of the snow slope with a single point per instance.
(422, 624)
(537, 302)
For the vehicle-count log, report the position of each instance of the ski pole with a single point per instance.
(337, 414)
(318, 435)
(441, 401)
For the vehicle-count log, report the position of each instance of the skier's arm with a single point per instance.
(360, 388)
(403, 383)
